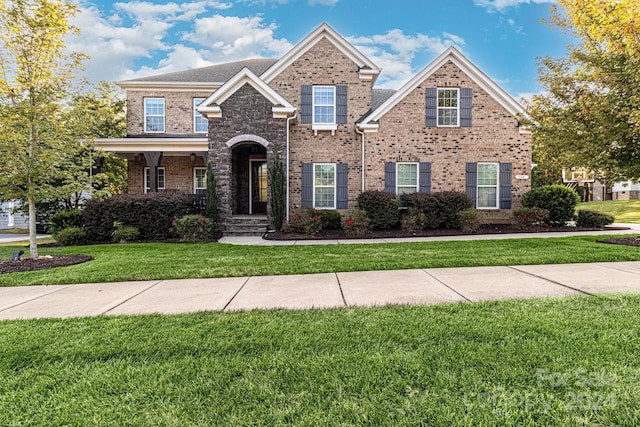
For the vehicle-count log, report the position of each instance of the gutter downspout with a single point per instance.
(289, 119)
(362, 157)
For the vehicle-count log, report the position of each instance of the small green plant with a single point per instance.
(470, 220)
(194, 228)
(71, 236)
(414, 220)
(124, 233)
(559, 200)
(305, 221)
(530, 217)
(355, 222)
(587, 218)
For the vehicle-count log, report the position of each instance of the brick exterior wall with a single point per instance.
(178, 111)
(324, 64)
(179, 173)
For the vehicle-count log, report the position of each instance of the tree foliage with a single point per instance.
(589, 114)
(36, 73)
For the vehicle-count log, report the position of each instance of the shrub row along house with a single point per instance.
(449, 128)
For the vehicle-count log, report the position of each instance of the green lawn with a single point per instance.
(194, 260)
(558, 361)
(623, 210)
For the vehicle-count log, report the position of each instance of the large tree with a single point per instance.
(589, 113)
(36, 74)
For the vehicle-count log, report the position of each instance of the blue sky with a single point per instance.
(137, 38)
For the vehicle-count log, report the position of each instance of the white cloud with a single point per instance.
(395, 53)
(146, 11)
(502, 5)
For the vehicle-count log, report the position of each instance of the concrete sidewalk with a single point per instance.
(356, 289)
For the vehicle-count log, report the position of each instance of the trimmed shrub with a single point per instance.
(124, 233)
(278, 200)
(426, 204)
(152, 214)
(211, 202)
(450, 204)
(331, 220)
(559, 200)
(65, 219)
(470, 220)
(305, 221)
(194, 228)
(587, 218)
(381, 209)
(414, 220)
(71, 236)
(529, 217)
(355, 223)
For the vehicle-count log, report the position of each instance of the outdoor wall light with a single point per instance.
(193, 158)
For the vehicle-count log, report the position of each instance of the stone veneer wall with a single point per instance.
(324, 64)
(246, 112)
(493, 137)
(178, 111)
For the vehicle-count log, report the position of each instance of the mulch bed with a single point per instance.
(629, 241)
(41, 263)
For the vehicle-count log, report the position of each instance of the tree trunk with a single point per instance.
(33, 244)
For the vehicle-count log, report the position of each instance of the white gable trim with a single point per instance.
(368, 70)
(457, 58)
(210, 107)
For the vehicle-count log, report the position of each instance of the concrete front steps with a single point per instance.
(245, 225)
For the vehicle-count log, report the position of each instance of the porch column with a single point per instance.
(153, 160)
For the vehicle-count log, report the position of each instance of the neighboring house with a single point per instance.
(449, 128)
(628, 190)
(10, 219)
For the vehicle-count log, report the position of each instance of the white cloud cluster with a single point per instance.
(396, 51)
(502, 5)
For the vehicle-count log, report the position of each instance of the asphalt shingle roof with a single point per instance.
(218, 73)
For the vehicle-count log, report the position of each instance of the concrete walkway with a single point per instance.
(356, 289)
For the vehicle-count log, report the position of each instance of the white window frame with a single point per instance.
(158, 171)
(417, 182)
(496, 186)
(324, 125)
(447, 108)
(334, 186)
(148, 115)
(195, 180)
(198, 118)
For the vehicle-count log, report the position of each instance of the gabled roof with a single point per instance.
(457, 58)
(210, 107)
(213, 75)
(368, 70)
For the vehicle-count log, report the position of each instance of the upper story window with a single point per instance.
(200, 124)
(324, 104)
(154, 115)
(406, 178)
(448, 107)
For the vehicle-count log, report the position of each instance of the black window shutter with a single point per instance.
(425, 177)
(341, 104)
(472, 182)
(342, 186)
(432, 107)
(390, 177)
(466, 98)
(505, 185)
(307, 185)
(306, 104)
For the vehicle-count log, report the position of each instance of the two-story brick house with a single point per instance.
(449, 128)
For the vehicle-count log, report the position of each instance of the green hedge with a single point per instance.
(438, 210)
(381, 209)
(559, 200)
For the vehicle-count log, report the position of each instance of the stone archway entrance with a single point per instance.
(249, 179)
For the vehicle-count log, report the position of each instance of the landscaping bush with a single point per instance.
(331, 220)
(470, 220)
(450, 204)
(152, 214)
(194, 228)
(381, 209)
(355, 223)
(587, 218)
(71, 236)
(305, 221)
(424, 203)
(413, 220)
(124, 233)
(65, 219)
(529, 217)
(559, 200)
